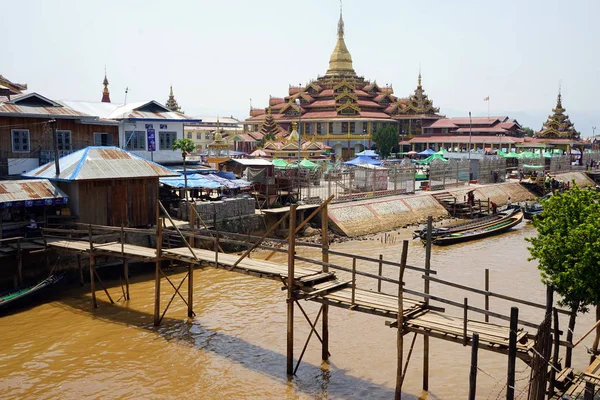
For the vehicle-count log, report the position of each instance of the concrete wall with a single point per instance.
(377, 215)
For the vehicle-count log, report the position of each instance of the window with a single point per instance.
(63, 141)
(207, 136)
(135, 140)
(256, 128)
(166, 140)
(352, 127)
(307, 127)
(20, 140)
(364, 125)
(373, 127)
(198, 136)
(189, 135)
(331, 127)
(344, 127)
(102, 139)
(319, 128)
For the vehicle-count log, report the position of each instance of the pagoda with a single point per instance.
(105, 92)
(339, 109)
(269, 129)
(558, 125)
(218, 150)
(416, 112)
(172, 103)
(293, 147)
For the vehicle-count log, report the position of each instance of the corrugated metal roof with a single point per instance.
(251, 162)
(127, 111)
(28, 189)
(99, 163)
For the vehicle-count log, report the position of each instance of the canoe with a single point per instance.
(467, 225)
(481, 232)
(11, 297)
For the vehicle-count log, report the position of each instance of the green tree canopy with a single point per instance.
(185, 145)
(567, 246)
(528, 131)
(385, 139)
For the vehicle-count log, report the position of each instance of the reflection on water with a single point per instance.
(235, 347)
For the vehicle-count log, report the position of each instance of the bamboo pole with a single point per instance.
(426, 290)
(487, 296)
(473, 373)
(19, 262)
(400, 321)
(353, 280)
(159, 228)
(81, 282)
(325, 259)
(465, 321)
(290, 293)
(512, 353)
(190, 290)
(125, 262)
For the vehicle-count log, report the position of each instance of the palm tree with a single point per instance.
(186, 146)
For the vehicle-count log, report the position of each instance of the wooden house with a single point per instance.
(27, 131)
(107, 185)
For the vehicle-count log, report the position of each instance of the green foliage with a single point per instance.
(528, 131)
(385, 139)
(184, 145)
(567, 246)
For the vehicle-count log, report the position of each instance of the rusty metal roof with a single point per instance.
(29, 190)
(100, 163)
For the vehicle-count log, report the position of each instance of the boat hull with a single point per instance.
(15, 297)
(480, 233)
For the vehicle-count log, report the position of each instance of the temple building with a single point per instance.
(341, 109)
(293, 147)
(558, 125)
(8, 88)
(172, 103)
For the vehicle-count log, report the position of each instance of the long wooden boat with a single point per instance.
(532, 209)
(467, 225)
(14, 296)
(481, 232)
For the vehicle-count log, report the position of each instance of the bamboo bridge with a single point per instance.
(406, 310)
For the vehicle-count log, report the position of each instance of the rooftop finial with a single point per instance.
(419, 83)
(341, 23)
(105, 92)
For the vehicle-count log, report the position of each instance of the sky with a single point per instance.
(221, 56)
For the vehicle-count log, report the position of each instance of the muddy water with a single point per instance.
(235, 346)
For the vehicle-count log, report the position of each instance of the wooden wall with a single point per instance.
(40, 136)
(131, 202)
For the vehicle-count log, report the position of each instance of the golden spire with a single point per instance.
(340, 62)
(105, 92)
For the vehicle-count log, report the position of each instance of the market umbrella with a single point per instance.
(363, 160)
(426, 152)
(280, 163)
(368, 153)
(309, 164)
(411, 153)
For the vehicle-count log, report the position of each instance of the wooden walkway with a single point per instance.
(325, 288)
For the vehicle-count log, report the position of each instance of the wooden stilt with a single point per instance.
(290, 294)
(325, 259)
(597, 338)
(125, 262)
(159, 226)
(571, 329)
(590, 388)
(81, 282)
(549, 299)
(465, 321)
(19, 262)
(400, 321)
(190, 290)
(473, 373)
(92, 279)
(512, 353)
(353, 280)
(426, 290)
(380, 272)
(556, 337)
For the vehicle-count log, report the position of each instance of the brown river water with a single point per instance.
(235, 347)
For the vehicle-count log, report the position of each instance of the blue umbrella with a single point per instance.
(363, 160)
(426, 152)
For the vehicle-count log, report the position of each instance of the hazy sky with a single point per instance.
(220, 54)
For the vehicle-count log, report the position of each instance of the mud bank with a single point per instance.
(382, 214)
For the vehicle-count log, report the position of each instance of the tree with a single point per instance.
(385, 139)
(186, 146)
(528, 131)
(567, 247)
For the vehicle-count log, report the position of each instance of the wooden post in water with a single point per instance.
(465, 321)
(216, 250)
(512, 353)
(159, 228)
(92, 269)
(426, 291)
(487, 296)
(473, 373)
(81, 282)
(325, 259)
(380, 272)
(190, 290)
(290, 287)
(400, 322)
